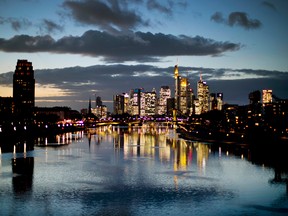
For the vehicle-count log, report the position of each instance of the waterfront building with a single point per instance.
(100, 111)
(164, 94)
(203, 95)
(24, 91)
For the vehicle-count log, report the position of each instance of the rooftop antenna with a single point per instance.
(201, 76)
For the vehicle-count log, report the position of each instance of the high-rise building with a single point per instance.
(185, 96)
(177, 87)
(216, 101)
(203, 95)
(183, 93)
(266, 96)
(150, 103)
(212, 102)
(219, 101)
(118, 103)
(135, 101)
(164, 94)
(24, 90)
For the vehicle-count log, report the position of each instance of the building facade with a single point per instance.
(164, 94)
(203, 96)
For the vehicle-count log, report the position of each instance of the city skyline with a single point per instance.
(238, 47)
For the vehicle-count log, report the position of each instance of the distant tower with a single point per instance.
(203, 95)
(24, 91)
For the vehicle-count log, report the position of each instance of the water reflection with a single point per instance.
(59, 139)
(141, 171)
(22, 169)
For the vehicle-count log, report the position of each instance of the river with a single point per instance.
(144, 170)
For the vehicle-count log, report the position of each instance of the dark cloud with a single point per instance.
(155, 5)
(134, 46)
(16, 23)
(108, 15)
(49, 26)
(237, 19)
(269, 5)
(80, 83)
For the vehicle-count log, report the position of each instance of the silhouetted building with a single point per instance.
(24, 91)
(98, 101)
(255, 109)
(170, 106)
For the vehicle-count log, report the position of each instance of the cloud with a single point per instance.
(127, 47)
(77, 84)
(49, 26)
(107, 15)
(237, 19)
(16, 23)
(269, 5)
(155, 5)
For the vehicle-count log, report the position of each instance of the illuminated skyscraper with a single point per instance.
(185, 96)
(165, 93)
(177, 87)
(266, 96)
(203, 95)
(183, 93)
(24, 90)
(150, 103)
(135, 101)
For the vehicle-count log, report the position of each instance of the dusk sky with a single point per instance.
(83, 48)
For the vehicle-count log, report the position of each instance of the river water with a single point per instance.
(137, 171)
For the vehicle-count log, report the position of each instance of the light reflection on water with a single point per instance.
(136, 171)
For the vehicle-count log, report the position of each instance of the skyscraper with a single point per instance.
(135, 101)
(177, 87)
(24, 90)
(203, 95)
(150, 103)
(165, 93)
(118, 101)
(185, 96)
